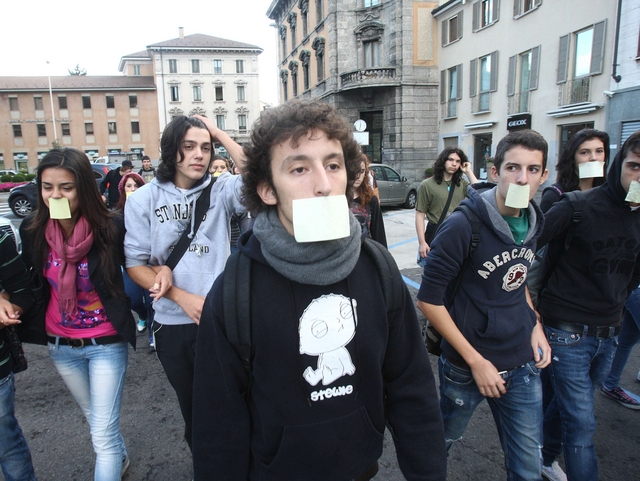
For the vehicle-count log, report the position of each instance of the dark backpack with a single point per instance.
(547, 257)
(236, 292)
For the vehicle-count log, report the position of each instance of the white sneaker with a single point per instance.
(553, 472)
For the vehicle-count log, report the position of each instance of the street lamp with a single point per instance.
(53, 116)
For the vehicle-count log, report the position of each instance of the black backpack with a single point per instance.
(547, 257)
(236, 292)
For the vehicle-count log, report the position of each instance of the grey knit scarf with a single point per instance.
(316, 263)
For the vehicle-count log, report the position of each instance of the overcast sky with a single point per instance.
(96, 34)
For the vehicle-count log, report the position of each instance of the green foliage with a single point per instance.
(29, 177)
(5, 178)
(77, 71)
(18, 178)
(428, 172)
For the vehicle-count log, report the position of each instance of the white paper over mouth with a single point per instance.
(633, 196)
(320, 218)
(591, 170)
(517, 196)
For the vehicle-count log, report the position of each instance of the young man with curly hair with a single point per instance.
(330, 366)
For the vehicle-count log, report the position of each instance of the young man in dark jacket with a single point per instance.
(493, 345)
(110, 183)
(330, 367)
(583, 301)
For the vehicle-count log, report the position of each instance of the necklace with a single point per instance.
(448, 182)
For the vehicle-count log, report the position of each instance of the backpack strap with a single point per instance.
(578, 202)
(476, 226)
(236, 293)
(390, 277)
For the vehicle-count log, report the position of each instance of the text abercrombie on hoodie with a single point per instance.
(156, 215)
(593, 278)
(490, 307)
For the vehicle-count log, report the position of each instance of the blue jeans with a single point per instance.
(517, 414)
(140, 298)
(95, 377)
(15, 457)
(627, 338)
(579, 365)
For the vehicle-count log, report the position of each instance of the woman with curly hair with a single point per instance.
(587, 145)
(365, 206)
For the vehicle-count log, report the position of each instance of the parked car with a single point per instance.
(7, 226)
(9, 171)
(24, 198)
(394, 189)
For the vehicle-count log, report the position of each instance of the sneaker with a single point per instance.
(553, 472)
(621, 395)
(125, 465)
(638, 375)
(142, 325)
(152, 347)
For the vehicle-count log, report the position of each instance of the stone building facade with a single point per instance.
(202, 74)
(373, 60)
(95, 114)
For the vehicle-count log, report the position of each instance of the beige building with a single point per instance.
(98, 115)
(205, 75)
(510, 64)
(373, 60)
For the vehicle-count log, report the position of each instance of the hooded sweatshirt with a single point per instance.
(329, 368)
(490, 307)
(156, 215)
(594, 277)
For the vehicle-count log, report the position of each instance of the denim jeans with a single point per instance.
(95, 377)
(517, 414)
(15, 457)
(579, 365)
(627, 338)
(140, 298)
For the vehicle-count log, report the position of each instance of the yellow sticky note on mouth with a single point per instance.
(59, 208)
(591, 170)
(517, 196)
(321, 218)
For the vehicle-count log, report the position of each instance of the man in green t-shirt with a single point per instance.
(434, 192)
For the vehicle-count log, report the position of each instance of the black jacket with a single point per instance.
(110, 184)
(593, 278)
(118, 310)
(303, 423)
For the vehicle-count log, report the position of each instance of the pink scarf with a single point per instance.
(71, 251)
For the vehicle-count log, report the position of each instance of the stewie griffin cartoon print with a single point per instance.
(327, 325)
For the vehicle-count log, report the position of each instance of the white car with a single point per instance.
(7, 226)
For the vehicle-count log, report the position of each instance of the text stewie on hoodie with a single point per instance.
(156, 215)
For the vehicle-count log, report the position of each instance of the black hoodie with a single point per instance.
(594, 277)
(299, 422)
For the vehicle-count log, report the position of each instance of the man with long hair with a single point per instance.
(435, 191)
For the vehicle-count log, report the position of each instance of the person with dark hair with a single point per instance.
(110, 184)
(141, 302)
(15, 281)
(148, 172)
(446, 187)
(74, 244)
(366, 207)
(582, 303)
(219, 165)
(157, 216)
(587, 145)
(493, 345)
(331, 363)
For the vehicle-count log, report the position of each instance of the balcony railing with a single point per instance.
(367, 76)
(449, 109)
(518, 103)
(575, 91)
(481, 103)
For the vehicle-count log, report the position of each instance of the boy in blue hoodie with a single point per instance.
(493, 344)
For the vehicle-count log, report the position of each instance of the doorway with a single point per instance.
(374, 122)
(481, 154)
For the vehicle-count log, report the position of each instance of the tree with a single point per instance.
(77, 71)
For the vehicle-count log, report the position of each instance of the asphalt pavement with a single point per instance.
(153, 430)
